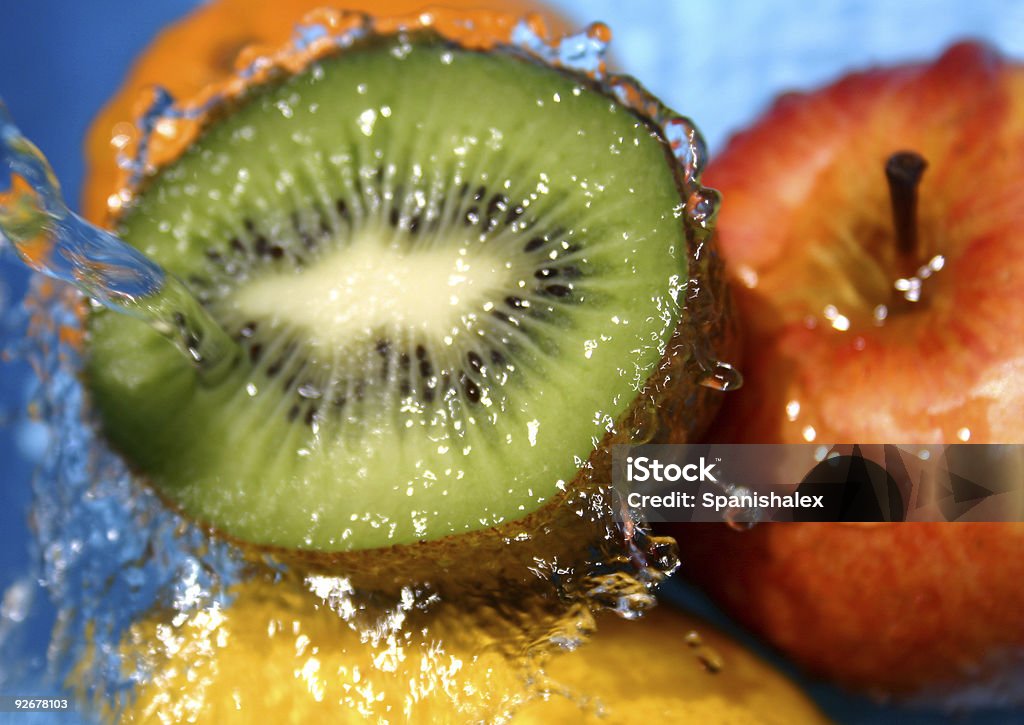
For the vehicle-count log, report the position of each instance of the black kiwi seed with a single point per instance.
(558, 290)
(513, 215)
(470, 388)
(475, 361)
(497, 204)
(300, 230)
(326, 229)
(278, 365)
(504, 317)
(534, 244)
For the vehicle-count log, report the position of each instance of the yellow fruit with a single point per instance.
(282, 654)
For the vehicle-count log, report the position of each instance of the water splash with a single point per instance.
(53, 240)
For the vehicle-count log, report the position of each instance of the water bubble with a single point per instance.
(702, 207)
(17, 601)
(737, 519)
(721, 376)
(711, 660)
(686, 142)
(708, 656)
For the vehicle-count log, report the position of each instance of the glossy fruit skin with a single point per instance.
(916, 610)
(314, 666)
(806, 223)
(201, 49)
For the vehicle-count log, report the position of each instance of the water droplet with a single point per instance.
(702, 207)
(734, 519)
(16, 603)
(711, 660)
(620, 593)
(722, 376)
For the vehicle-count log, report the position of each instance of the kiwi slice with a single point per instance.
(449, 273)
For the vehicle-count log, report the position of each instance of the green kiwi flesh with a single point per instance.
(449, 274)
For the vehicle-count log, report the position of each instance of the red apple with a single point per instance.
(816, 240)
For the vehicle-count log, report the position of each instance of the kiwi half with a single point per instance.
(451, 276)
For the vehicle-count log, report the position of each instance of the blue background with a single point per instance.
(720, 63)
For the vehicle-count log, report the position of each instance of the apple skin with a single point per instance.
(806, 223)
(925, 611)
(921, 611)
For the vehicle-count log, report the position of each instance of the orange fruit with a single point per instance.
(201, 48)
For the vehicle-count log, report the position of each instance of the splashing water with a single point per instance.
(112, 555)
(55, 241)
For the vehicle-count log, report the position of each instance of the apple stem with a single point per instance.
(904, 170)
